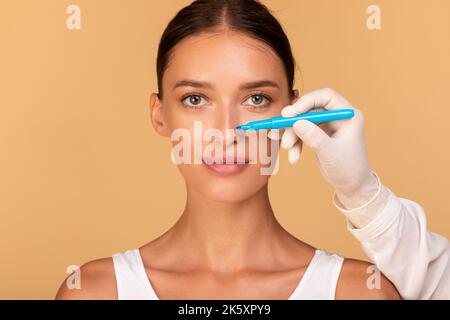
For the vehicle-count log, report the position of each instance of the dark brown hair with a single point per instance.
(247, 16)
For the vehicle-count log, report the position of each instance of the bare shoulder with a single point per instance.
(97, 282)
(361, 280)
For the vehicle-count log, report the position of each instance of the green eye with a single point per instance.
(193, 101)
(259, 102)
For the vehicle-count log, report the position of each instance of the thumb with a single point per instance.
(312, 135)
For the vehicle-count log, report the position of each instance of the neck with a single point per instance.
(227, 237)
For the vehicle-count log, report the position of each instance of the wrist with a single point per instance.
(360, 195)
(361, 216)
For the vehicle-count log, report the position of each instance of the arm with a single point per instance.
(392, 230)
(393, 233)
(353, 283)
(97, 282)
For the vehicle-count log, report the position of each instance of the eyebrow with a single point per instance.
(245, 86)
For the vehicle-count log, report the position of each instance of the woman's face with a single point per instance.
(223, 67)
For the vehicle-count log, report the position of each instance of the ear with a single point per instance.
(157, 116)
(295, 97)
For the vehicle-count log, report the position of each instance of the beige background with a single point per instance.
(83, 174)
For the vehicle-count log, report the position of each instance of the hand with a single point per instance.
(339, 146)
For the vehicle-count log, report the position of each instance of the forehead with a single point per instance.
(224, 58)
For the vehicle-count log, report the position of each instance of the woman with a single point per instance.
(225, 63)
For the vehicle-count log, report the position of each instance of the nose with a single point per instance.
(226, 120)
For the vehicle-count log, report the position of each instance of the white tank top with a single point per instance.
(318, 282)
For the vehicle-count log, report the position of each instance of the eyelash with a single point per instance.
(262, 94)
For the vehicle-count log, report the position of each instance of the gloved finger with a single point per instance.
(294, 153)
(327, 127)
(289, 138)
(323, 98)
(313, 136)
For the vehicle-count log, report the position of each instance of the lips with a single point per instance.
(227, 167)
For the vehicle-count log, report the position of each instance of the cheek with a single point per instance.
(272, 111)
(178, 116)
(262, 148)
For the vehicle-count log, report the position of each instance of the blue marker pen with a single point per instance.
(282, 122)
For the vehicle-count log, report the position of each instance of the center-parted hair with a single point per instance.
(250, 17)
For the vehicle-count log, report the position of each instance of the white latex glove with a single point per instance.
(339, 146)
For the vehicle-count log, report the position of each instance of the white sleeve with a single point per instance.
(393, 233)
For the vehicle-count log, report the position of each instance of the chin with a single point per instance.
(228, 193)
